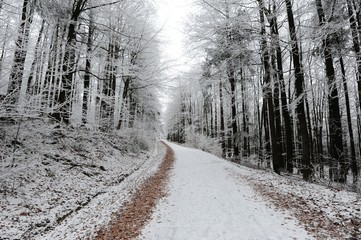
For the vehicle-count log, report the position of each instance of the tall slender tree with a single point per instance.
(69, 63)
(21, 44)
(335, 128)
(276, 159)
(300, 95)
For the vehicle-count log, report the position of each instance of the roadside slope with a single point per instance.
(58, 182)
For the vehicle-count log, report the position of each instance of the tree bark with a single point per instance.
(235, 134)
(88, 64)
(277, 112)
(33, 70)
(299, 86)
(246, 147)
(21, 43)
(268, 94)
(354, 168)
(335, 127)
(280, 87)
(221, 115)
(69, 64)
(356, 45)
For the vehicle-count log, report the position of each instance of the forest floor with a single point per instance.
(60, 183)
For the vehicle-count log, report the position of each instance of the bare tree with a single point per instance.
(21, 43)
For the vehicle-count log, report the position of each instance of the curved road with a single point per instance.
(209, 200)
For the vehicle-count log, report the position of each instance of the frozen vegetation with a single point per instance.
(64, 183)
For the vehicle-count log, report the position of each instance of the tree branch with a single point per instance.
(208, 4)
(102, 5)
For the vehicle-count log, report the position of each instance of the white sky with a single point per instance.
(172, 15)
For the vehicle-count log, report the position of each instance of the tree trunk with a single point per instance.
(88, 64)
(259, 125)
(354, 168)
(3, 49)
(277, 113)
(246, 150)
(215, 131)
(268, 94)
(299, 82)
(69, 64)
(309, 128)
(335, 127)
(280, 86)
(265, 118)
(356, 45)
(235, 135)
(35, 62)
(222, 127)
(21, 43)
(52, 73)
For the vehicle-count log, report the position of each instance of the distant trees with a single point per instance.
(252, 104)
(81, 62)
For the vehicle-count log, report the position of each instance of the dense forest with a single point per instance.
(80, 62)
(88, 89)
(279, 82)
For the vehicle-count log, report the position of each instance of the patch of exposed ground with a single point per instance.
(128, 222)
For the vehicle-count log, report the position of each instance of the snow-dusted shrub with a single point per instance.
(202, 142)
(137, 139)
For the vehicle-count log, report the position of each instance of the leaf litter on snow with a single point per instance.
(325, 212)
(58, 183)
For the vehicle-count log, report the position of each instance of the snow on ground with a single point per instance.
(329, 213)
(60, 183)
(207, 201)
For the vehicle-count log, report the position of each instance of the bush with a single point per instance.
(138, 140)
(203, 142)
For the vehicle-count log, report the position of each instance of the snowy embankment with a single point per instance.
(210, 198)
(329, 213)
(62, 184)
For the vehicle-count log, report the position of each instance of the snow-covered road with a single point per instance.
(207, 201)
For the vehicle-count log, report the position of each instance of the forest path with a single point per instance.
(208, 200)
